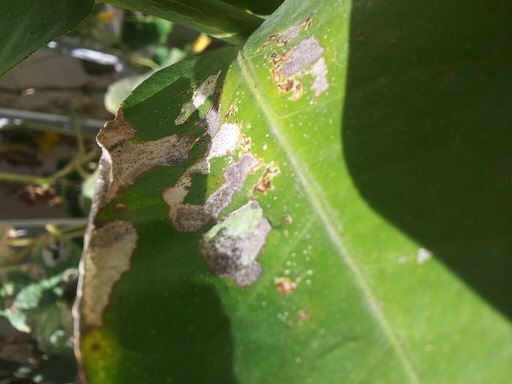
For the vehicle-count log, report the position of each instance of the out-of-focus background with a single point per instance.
(51, 107)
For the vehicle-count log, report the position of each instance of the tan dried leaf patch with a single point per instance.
(123, 161)
(106, 258)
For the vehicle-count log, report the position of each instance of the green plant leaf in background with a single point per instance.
(213, 17)
(302, 210)
(27, 25)
(262, 7)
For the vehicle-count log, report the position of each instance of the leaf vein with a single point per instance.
(322, 208)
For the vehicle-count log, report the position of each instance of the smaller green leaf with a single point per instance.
(118, 91)
(140, 31)
(212, 17)
(27, 25)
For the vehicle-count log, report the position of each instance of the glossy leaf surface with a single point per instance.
(375, 142)
(27, 25)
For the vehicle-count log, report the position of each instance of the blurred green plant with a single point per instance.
(39, 277)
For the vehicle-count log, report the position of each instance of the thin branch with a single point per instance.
(46, 182)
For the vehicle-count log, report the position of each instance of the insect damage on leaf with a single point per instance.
(201, 94)
(106, 258)
(289, 67)
(232, 246)
(123, 161)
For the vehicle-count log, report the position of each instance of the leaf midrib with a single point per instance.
(322, 208)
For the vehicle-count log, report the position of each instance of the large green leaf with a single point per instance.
(344, 140)
(27, 25)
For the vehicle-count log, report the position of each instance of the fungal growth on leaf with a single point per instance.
(232, 246)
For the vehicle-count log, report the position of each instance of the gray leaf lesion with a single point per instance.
(301, 56)
(305, 58)
(232, 246)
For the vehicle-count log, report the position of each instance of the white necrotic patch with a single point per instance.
(224, 141)
(199, 97)
(319, 71)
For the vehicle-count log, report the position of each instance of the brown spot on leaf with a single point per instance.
(232, 110)
(297, 94)
(287, 86)
(303, 315)
(285, 286)
(265, 182)
(245, 143)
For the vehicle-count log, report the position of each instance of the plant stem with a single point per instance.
(212, 17)
(49, 180)
(79, 142)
